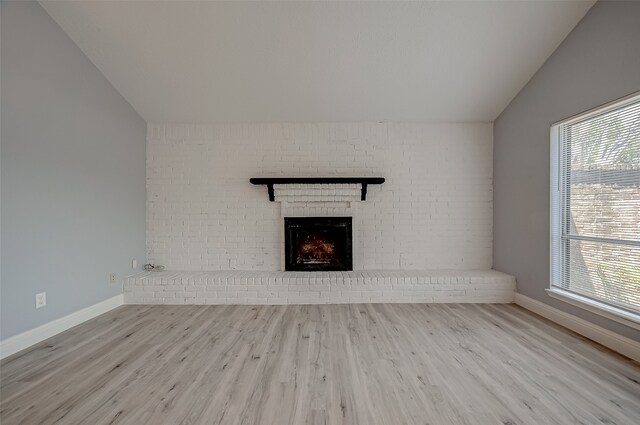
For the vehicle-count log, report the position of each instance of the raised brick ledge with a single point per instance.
(367, 286)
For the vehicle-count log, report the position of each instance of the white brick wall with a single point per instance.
(311, 193)
(433, 212)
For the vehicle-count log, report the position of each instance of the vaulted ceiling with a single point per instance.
(318, 61)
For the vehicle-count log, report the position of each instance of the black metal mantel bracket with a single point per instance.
(270, 181)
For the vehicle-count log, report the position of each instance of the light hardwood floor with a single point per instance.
(323, 364)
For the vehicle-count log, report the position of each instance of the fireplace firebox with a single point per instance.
(318, 244)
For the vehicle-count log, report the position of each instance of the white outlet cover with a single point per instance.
(41, 299)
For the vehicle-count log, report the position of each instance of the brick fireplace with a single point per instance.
(425, 235)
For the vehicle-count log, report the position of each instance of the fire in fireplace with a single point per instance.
(318, 243)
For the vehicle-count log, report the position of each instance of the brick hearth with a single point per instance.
(263, 287)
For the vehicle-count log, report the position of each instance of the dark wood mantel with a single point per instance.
(270, 181)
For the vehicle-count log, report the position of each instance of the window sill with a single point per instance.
(619, 315)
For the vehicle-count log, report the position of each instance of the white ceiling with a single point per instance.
(331, 61)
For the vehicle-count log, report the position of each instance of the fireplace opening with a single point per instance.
(318, 244)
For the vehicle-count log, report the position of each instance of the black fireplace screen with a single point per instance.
(317, 243)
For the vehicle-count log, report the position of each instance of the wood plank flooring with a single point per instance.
(361, 364)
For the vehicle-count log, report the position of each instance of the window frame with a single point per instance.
(558, 261)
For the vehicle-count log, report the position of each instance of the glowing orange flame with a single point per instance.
(316, 250)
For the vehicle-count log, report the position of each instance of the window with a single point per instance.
(595, 207)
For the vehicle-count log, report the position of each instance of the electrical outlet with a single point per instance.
(134, 264)
(41, 299)
(113, 278)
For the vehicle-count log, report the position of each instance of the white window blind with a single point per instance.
(595, 205)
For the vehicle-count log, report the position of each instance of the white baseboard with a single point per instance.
(26, 339)
(612, 340)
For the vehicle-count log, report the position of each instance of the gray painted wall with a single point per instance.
(598, 62)
(72, 174)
